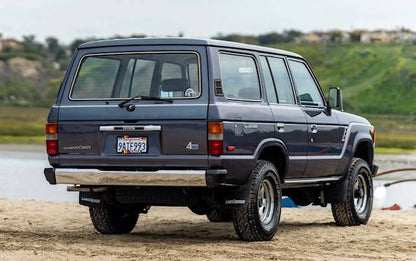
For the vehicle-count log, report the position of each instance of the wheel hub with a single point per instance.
(266, 202)
(360, 193)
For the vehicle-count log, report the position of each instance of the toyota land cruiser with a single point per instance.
(223, 128)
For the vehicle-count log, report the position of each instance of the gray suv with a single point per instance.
(223, 128)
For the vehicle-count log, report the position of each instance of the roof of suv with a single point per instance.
(183, 41)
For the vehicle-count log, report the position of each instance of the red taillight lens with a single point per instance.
(51, 131)
(52, 147)
(215, 138)
(215, 147)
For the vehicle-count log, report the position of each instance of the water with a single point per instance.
(403, 194)
(21, 177)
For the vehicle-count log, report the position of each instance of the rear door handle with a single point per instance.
(280, 127)
(314, 128)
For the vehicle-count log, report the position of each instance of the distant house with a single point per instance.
(383, 36)
(403, 36)
(334, 36)
(308, 38)
(345, 37)
(314, 37)
(378, 36)
(10, 43)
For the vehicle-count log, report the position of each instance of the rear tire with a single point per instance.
(258, 221)
(356, 210)
(112, 220)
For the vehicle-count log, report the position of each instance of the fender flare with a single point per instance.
(362, 137)
(273, 142)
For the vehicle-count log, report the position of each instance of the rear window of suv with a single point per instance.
(119, 76)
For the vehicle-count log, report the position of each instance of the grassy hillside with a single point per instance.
(378, 80)
(375, 79)
(22, 124)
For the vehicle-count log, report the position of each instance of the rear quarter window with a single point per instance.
(239, 77)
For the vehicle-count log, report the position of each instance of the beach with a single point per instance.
(40, 230)
(43, 222)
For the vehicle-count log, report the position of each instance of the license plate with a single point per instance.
(128, 145)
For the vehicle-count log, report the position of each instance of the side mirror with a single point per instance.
(335, 99)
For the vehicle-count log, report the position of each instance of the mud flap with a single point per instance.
(336, 192)
(236, 197)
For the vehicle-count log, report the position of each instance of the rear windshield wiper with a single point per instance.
(142, 97)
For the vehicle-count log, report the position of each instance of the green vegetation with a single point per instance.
(394, 131)
(378, 80)
(382, 150)
(375, 79)
(22, 125)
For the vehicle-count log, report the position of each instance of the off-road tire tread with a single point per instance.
(343, 212)
(245, 221)
(101, 219)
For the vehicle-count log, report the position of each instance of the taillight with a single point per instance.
(215, 138)
(51, 131)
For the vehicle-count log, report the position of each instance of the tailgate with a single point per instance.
(170, 131)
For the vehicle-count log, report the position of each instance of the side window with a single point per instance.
(308, 91)
(268, 80)
(239, 77)
(282, 81)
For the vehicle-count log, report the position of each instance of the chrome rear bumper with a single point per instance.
(181, 178)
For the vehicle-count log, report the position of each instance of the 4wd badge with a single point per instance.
(191, 146)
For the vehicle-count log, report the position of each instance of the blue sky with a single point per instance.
(72, 19)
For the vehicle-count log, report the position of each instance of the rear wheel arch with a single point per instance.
(276, 153)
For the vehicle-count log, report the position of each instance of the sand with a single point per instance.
(40, 230)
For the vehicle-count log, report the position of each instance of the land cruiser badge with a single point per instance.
(78, 147)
